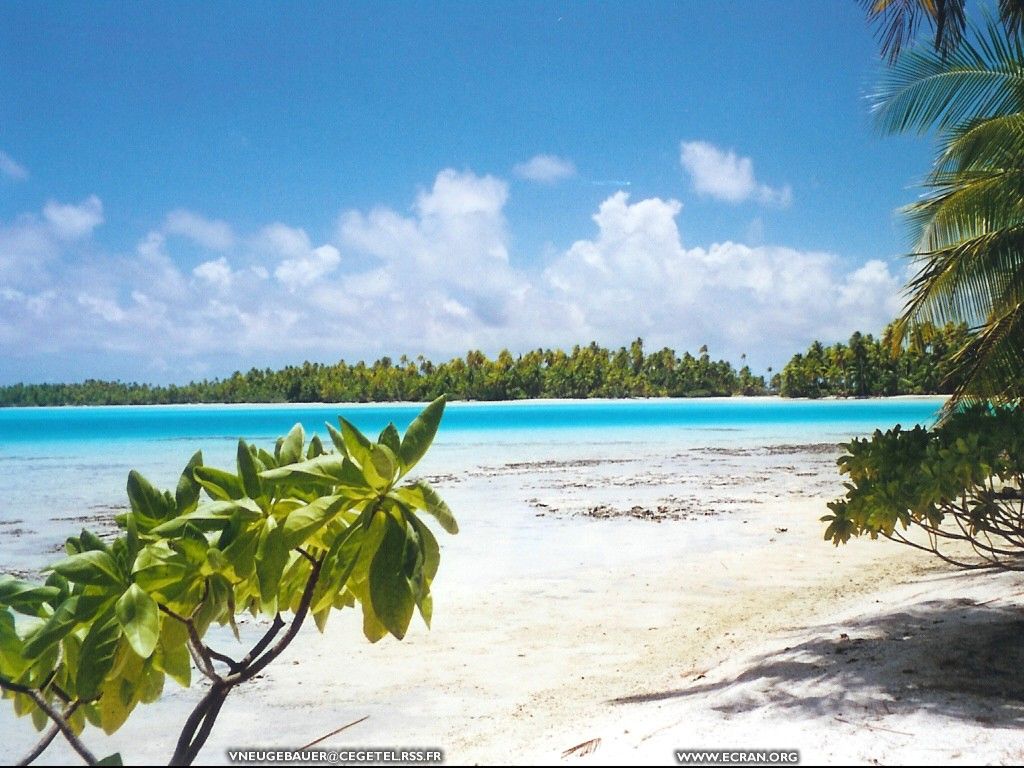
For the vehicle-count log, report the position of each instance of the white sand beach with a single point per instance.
(651, 599)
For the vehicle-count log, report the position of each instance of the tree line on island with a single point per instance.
(863, 367)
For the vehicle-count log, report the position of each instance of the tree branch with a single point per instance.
(58, 720)
(200, 723)
(259, 664)
(200, 653)
(48, 737)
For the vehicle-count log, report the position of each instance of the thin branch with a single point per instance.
(223, 658)
(264, 641)
(62, 724)
(200, 653)
(293, 629)
(48, 737)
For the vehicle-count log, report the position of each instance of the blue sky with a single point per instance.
(188, 189)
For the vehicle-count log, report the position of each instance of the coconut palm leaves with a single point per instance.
(898, 22)
(969, 227)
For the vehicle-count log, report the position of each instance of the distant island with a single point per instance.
(863, 367)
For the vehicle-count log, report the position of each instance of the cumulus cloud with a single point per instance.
(216, 272)
(12, 169)
(726, 176)
(438, 278)
(300, 264)
(211, 234)
(636, 274)
(545, 169)
(70, 221)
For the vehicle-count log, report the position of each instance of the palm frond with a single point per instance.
(969, 281)
(925, 89)
(898, 22)
(1012, 14)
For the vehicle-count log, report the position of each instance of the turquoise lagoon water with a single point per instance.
(116, 424)
(62, 467)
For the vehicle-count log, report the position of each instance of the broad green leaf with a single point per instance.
(158, 566)
(90, 541)
(352, 481)
(320, 618)
(218, 483)
(373, 628)
(380, 466)
(221, 511)
(390, 593)
(420, 495)
(24, 597)
(148, 502)
(93, 567)
(176, 662)
(338, 565)
(389, 437)
(186, 495)
(114, 709)
(53, 631)
(374, 524)
(338, 439)
(266, 459)
(248, 471)
(152, 685)
(429, 547)
(97, 654)
(12, 655)
(316, 448)
(322, 469)
(291, 448)
(420, 434)
(114, 759)
(139, 617)
(241, 551)
(304, 521)
(271, 559)
(357, 445)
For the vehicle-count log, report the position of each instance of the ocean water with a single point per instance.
(62, 468)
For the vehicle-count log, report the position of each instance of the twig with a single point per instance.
(873, 727)
(334, 732)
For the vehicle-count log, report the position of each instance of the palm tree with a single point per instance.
(969, 227)
(899, 21)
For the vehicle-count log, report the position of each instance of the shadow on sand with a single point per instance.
(956, 658)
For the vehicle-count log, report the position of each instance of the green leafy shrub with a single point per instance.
(960, 484)
(303, 530)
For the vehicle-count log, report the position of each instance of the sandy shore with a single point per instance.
(722, 621)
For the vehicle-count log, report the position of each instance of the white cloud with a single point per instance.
(637, 278)
(545, 169)
(211, 234)
(106, 309)
(216, 272)
(727, 176)
(448, 263)
(70, 221)
(438, 279)
(12, 169)
(301, 264)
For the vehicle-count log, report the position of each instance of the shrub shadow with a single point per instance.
(956, 658)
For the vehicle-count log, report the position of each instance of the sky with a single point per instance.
(189, 189)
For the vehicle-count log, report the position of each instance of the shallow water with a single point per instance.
(62, 468)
